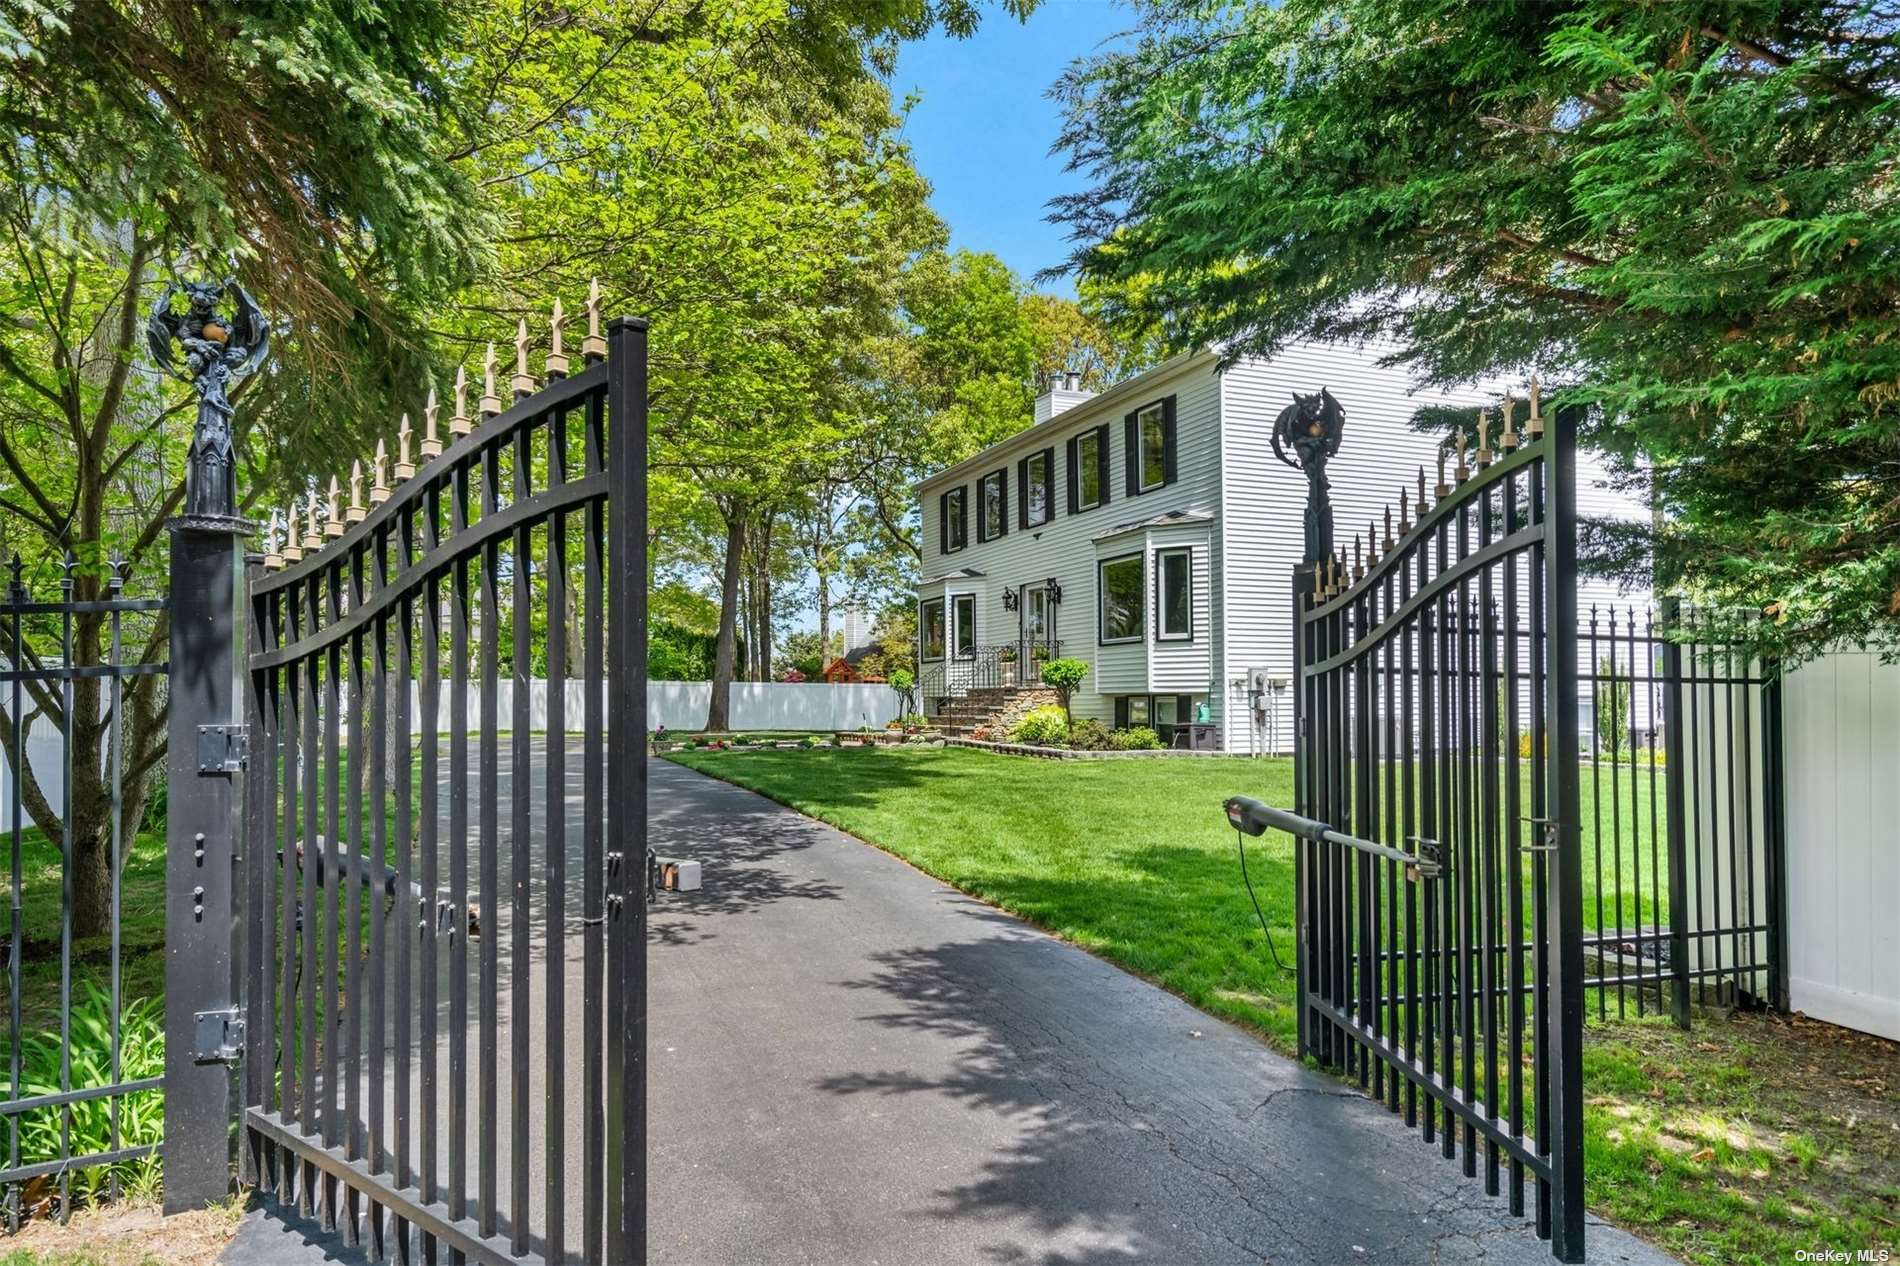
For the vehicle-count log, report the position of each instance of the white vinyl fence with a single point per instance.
(1841, 744)
(46, 757)
(681, 706)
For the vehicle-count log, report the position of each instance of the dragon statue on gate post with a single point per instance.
(1312, 427)
(219, 348)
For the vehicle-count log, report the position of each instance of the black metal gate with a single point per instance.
(456, 911)
(1440, 883)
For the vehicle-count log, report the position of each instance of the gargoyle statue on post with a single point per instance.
(1312, 426)
(219, 349)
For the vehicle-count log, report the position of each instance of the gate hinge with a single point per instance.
(220, 1037)
(223, 749)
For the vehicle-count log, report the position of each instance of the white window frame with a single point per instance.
(1046, 485)
(1158, 412)
(923, 630)
(951, 648)
(1163, 557)
(983, 532)
(1092, 467)
(961, 494)
(1139, 559)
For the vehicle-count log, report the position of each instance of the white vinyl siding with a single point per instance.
(1065, 548)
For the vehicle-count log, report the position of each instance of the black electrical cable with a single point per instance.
(1240, 841)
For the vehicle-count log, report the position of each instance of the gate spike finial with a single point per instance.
(16, 588)
(1405, 511)
(1463, 472)
(312, 535)
(379, 486)
(1442, 489)
(490, 403)
(333, 526)
(557, 358)
(1534, 427)
(273, 555)
(431, 442)
(458, 421)
(523, 383)
(1484, 438)
(1358, 566)
(405, 468)
(1508, 440)
(356, 513)
(1388, 528)
(593, 347)
(293, 552)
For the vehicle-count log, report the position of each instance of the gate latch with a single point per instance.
(222, 749)
(1428, 861)
(220, 1037)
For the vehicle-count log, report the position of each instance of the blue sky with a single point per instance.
(981, 132)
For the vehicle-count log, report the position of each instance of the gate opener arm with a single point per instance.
(1254, 817)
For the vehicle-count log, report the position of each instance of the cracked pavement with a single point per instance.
(854, 1064)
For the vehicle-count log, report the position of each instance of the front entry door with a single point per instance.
(1039, 619)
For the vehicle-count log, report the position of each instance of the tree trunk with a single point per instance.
(717, 711)
(92, 879)
(824, 619)
(763, 604)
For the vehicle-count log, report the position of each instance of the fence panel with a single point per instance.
(81, 722)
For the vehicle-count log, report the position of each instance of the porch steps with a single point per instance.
(998, 707)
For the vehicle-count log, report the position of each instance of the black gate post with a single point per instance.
(203, 1026)
(627, 790)
(1305, 584)
(1676, 816)
(1564, 844)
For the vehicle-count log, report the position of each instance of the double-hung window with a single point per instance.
(1088, 470)
(930, 628)
(1174, 594)
(992, 505)
(1120, 584)
(1149, 444)
(954, 511)
(1036, 487)
(963, 625)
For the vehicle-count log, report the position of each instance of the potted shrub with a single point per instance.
(1007, 658)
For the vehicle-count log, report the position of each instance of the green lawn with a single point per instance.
(1715, 1143)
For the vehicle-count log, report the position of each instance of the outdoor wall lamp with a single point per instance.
(1055, 590)
(1009, 599)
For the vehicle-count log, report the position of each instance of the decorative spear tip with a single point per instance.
(1535, 425)
(405, 466)
(593, 347)
(490, 403)
(356, 513)
(431, 441)
(458, 421)
(333, 525)
(379, 486)
(523, 383)
(557, 355)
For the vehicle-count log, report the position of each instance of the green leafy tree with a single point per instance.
(1612, 697)
(1063, 676)
(1684, 213)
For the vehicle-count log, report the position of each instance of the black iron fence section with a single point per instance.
(418, 1072)
(82, 702)
(1681, 819)
(1441, 959)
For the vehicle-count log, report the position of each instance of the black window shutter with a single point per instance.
(1121, 712)
(1075, 444)
(1101, 461)
(1167, 443)
(943, 523)
(1022, 502)
(1131, 428)
(1002, 499)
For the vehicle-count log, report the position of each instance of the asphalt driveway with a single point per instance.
(853, 1064)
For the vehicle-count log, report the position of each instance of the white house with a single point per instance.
(1151, 532)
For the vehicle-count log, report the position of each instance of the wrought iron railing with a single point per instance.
(986, 668)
